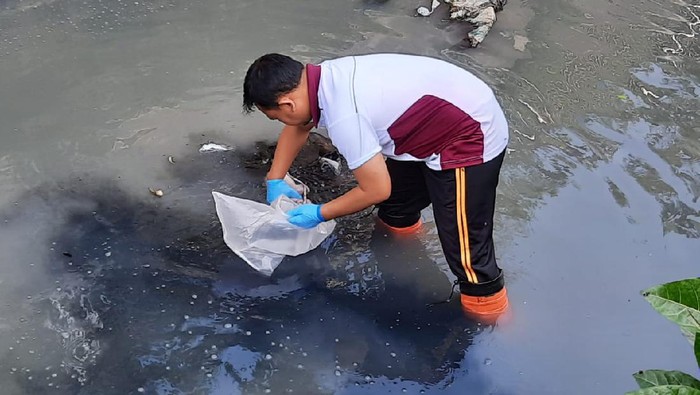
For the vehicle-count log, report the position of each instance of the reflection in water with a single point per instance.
(149, 293)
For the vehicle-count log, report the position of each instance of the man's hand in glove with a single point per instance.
(277, 188)
(306, 216)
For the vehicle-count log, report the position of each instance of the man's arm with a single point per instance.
(374, 187)
(291, 139)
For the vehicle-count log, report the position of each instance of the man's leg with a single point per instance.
(409, 195)
(463, 205)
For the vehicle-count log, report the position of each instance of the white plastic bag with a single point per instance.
(261, 235)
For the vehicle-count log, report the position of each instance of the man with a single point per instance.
(414, 131)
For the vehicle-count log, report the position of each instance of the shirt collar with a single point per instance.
(313, 78)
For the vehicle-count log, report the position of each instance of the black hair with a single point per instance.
(267, 78)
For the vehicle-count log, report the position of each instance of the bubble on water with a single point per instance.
(208, 374)
(248, 333)
(108, 253)
(227, 326)
(268, 357)
(267, 391)
(304, 354)
(140, 389)
(336, 340)
(194, 296)
(267, 332)
(393, 354)
(300, 366)
(187, 317)
(337, 373)
(487, 361)
(214, 356)
(367, 378)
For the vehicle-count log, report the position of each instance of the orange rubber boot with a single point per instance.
(486, 309)
(405, 230)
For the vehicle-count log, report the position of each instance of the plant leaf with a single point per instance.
(679, 301)
(654, 378)
(667, 390)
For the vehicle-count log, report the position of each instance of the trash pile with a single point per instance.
(480, 13)
(260, 234)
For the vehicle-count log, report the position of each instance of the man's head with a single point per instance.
(276, 85)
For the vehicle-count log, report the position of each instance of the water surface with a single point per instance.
(106, 289)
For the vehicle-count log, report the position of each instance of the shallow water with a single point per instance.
(106, 289)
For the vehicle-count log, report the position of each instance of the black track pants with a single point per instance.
(463, 202)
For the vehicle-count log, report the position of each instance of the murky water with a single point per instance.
(106, 289)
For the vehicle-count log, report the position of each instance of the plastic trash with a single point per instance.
(425, 11)
(332, 164)
(480, 13)
(261, 235)
(213, 147)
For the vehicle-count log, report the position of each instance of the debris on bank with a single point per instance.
(213, 147)
(480, 13)
(156, 192)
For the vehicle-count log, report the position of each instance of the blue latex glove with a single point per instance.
(306, 216)
(277, 188)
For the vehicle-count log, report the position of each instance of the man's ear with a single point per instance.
(287, 103)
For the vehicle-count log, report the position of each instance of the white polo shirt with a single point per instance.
(407, 107)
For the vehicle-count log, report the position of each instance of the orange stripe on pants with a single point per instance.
(461, 205)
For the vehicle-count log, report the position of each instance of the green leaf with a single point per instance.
(654, 378)
(678, 301)
(622, 97)
(667, 390)
(697, 349)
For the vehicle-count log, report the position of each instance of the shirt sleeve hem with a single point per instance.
(361, 161)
